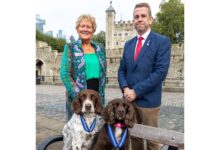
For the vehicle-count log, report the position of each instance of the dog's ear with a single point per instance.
(130, 117)
(98, 103)
(76, 105)
(108, 114)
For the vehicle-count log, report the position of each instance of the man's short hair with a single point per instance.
(143, 5)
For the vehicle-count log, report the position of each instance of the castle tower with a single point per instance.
(110, 19)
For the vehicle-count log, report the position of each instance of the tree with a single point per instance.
(170, 21)
(55, 43)
(99, 38)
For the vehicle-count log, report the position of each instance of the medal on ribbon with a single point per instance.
(85, 126)
(113, 139)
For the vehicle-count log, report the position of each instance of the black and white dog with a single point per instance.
(86, 121)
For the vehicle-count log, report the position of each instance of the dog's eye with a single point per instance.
(84, 96)
(93, 97)
(125, 106)
(115, 105)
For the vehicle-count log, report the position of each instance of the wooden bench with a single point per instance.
(163, 136)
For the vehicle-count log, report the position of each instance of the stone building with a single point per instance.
(117, 33)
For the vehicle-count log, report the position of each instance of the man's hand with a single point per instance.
(126, 91)
(129, 94)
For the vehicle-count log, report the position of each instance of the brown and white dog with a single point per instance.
(87, 106)
(119, 115)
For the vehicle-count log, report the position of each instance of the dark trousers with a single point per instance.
(93, 84)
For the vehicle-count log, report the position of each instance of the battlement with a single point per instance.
(41, 44)
(43, 47)
(177, 46)
(123, 23)
(177, 49)
(50, 59)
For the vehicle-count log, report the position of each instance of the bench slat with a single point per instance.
(163, 136)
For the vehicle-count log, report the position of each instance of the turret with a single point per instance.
(110, 19)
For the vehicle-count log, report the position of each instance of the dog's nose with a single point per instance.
(88, 106)
(121, 111)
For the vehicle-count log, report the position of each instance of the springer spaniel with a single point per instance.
(86, 121)
(119, 115)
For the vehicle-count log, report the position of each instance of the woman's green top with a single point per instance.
(92, 66)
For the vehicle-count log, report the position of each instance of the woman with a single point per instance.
(83, 63)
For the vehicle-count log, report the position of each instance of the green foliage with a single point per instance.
(170, 21)
(99, 38)
(55, 43)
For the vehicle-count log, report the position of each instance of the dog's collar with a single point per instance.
(85, 126)
(113, 139)
(119, 125)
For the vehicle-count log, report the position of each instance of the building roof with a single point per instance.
(110, 8)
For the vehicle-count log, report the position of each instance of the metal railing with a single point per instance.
(48, 80)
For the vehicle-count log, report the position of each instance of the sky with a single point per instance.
(62, 14)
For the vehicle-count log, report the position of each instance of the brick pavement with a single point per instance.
(50, 110)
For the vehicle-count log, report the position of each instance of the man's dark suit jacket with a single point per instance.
(146, 74)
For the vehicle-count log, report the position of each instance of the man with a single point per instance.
(143, 67)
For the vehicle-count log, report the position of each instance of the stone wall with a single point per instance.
(48, 66)
(175, 77)
(47, 63)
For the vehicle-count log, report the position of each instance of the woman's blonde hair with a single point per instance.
(86, 17)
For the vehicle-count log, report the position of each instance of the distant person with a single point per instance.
(143, 68)
(83, 63)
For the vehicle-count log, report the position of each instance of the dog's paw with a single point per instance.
(76, 148)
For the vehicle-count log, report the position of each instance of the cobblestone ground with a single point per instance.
(50, 102)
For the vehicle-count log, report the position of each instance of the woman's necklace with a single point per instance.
(88, 48)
